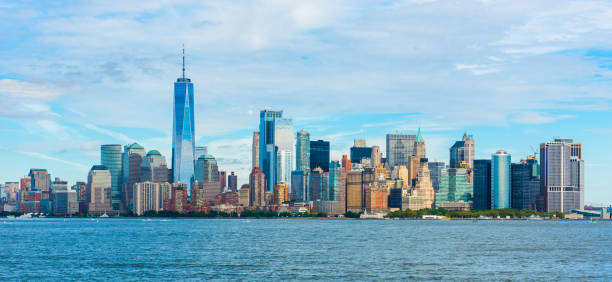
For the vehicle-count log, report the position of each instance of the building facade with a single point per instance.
(183, 131)
(500, 180)
(111, 158)
(319, 155)
(302, 151)
(154, 167)
(562, 176)
(400, 147)
(99, 190)
(454, 187)
(462, 154)
(525, 184)
(482, 185)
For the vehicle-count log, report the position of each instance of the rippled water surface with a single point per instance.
(297, 249)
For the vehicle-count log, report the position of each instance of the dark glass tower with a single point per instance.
(482, 185)
(183, 146)
(319, 155)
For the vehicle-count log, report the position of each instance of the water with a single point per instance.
(298, 249)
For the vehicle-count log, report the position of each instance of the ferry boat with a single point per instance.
(376, 215)
(104, 215)
(534, 217)
(482, 217)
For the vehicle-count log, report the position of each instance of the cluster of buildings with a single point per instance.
(293, 172)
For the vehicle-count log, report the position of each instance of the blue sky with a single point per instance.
(74, 75)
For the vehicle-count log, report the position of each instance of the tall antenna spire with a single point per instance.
(183, 60)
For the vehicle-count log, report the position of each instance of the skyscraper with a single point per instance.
(183, 146)
(110, 157)
(206, 169)
(99, 189)
(257, 183)
(335, 179)
(500, 180)
(375, 158)
(435, 173)
(319, 155)
(422, 196)
(482, 185)
(299, 186)
(132, 172)
(41, 181)
(153, 168)
(399, 149)
(283, 139)
(462, 154)
(302, 151)
(525, 184)
(562, 176)
(318, 184)
(232, 182)
(271, 142)
(454, 186)
(255, 150)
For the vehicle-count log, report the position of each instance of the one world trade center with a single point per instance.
(183, 146)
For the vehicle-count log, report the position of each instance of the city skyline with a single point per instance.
(65, 120)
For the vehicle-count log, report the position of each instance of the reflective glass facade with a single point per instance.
(302, 151)
(400, 147)
(110, 157)
(319, 155)
(482, 185)
(500, 180)
(183, 146)
(454, 186)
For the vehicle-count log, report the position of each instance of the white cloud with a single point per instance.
(50, 158)
(538, 118)
(28, 90)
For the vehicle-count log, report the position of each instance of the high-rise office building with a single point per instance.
(206, 170)
(40, 181)
(419, 146)
(281, 193)
(257, 183)
(319, 155)
(400, 147)
(335, 181)
(359, 143)
(153, 168)
(302, 151)
(422, 195)
(435, 173)
(525, 184)
(354, 191)
(375, 159)
(500, 180)
(462, 154)
(360, 153)
(232, 182)
(65, 202)
(150, 196)
(482, 185)
(275, 135)
(318, 184)
(132, 157)
(255, 150)
(222, 179)
(110, 157)
(454, 187)
(346, 163)
(99, 190)
(284, 164)
(299, 186)
(562, 176)
(183, 135)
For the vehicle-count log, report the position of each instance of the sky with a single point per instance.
(78, 74)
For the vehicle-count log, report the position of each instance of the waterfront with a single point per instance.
(179, 249)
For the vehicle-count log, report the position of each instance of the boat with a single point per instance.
(534, 217)
(445, 218)
(482, 217)
(104, 215)
(25, 216)
(376, 215)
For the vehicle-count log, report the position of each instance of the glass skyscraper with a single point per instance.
(335, 177)
(302, 151)
(275, 140)
(482, 185)
(110, 157)
(454, 186)
(183, 146)
(319, 155)
(500, 180)
(562, 176)
(400, 147)
(525, 184)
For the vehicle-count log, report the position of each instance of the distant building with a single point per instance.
(454, 187)
(222, 180)
(360, 153)
(399, 149)
(318, 185)
(422, 195)
(183, 131)
(206, 169)
(302, 152)
(154, 168)
(376, 196)
(40, 181)
(244, 198)
(111, 158)
(178, 199)
(346, 163)
(276, 135)
(354, 191)
(334, 181)
(281, 193)
(482, 185)
(319, 155)
(299, 186)
(150, 196)
(132, 172)
(462, 155)
(99, 190)
(525, 184)
(359, 143)
(562, 176)
(500, 180)
(376, 157)
(255, 150)
(257, 182)
(65, 202)
(200, 150)
(435, 172)
(232, 182)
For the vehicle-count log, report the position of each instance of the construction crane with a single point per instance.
(535, 153)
